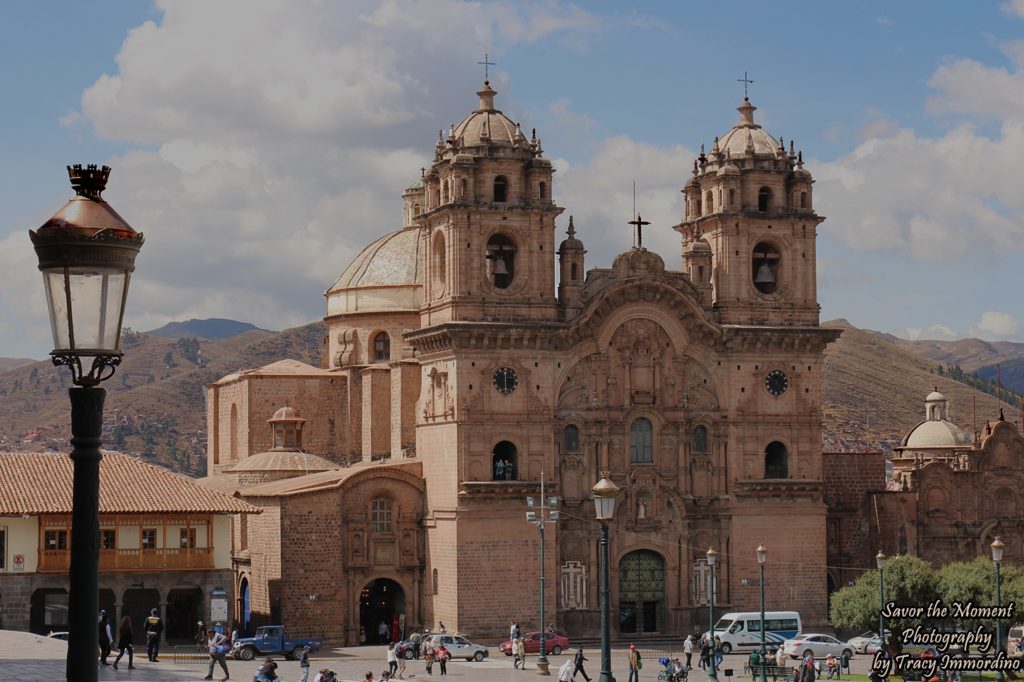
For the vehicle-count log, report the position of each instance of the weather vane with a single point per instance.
(486, 63)
(746, 81)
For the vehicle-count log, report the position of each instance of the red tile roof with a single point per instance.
(34, 483)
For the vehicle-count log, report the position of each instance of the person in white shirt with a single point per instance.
(392, 658)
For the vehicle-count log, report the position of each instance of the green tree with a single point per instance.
(909, 581)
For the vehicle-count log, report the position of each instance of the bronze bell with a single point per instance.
(764, 274)
(498, 268)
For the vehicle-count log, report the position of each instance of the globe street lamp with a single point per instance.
(546, 513)
(762, 556)
(997, 558)
(880, 562)
(712, 557)
(604, 505)
(86, 253)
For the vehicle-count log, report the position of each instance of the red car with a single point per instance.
(554, 642)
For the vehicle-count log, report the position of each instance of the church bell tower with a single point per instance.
(749, 203)
(488, 229)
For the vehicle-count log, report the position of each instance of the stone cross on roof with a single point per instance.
(746, 81)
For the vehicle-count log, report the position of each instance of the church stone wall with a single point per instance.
(851, 479)
(264, 549)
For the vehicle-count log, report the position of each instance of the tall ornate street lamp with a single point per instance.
(762, 556)
(880, 562)
(997, 558)
(604, 506)
(539, 516)
(86, 253)
(712, 557)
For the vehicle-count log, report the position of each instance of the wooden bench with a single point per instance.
(772, 671)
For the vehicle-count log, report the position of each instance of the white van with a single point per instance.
(742, 631)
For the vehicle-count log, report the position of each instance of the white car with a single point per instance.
(817, 645)
(860, 642)
(459, 647)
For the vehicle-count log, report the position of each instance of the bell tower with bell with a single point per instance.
(488, 229)
(749, 204)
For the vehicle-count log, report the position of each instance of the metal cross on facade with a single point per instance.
(746, 81)
(639, 222)
(486, 63)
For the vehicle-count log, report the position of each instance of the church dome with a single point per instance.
(936, 433)
(286, 414)
(283, 461)
(487, 126)
(935, 396)
(746, 136)
(386, 275)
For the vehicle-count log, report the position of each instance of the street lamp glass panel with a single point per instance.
(96, 296)
(530, 502)
(531, 517)
(554, 515)
(552, 501)
(880, 560)
(604, 506)
(997, 549)
(712, 557)
(762, 554)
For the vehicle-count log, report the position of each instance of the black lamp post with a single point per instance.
(880, 562)
(997, 558)
(604, 505)
(546, 513)
(712, 557)
(86, 253)
(762, 556)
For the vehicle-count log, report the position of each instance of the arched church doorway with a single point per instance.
(137, 602)
(382, 611)
(641, 592)
(245, 597)
(184, 611)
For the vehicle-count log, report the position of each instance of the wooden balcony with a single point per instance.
(173, 559)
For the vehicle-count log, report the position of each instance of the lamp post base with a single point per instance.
(542, 667)
(606, 677)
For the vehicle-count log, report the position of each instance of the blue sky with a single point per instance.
(260, 145)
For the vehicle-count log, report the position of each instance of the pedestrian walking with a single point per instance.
(382, 632)
(442, 659)
(200, 637)
(154, 627)
(780, 657)
(565, 672)
(217, 645)
(106, 637)
(304, 664)
(124, 642)
(705, 653)
(635, 664)
(392, 658)
(428, 656)
(401, 668)
(521, 652)
(808, 671)
(688, 650)
(716, 651)
(578, 665)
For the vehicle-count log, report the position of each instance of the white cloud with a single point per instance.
(1014, 7)
(275, 142)
(935, 332)
(995, 326)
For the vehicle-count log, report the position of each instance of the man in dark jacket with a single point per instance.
(578, 662)
(106, 637)
(154, 628)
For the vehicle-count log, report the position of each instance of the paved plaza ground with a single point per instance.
(30, 658)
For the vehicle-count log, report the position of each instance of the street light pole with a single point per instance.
(997, 558)
(762, 556)
(86, 253)
(546, 513)
(880, 562)
(712, 673)
(604, 505)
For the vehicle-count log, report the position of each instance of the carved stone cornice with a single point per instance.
(756, 338)
(510, 489)
(512, 335)
(779, 488)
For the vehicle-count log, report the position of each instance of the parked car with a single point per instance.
(873, 645)
(59, 635)
(860, 642)
(818, 645)
(554, 643)
(270, 641)
(458, 646)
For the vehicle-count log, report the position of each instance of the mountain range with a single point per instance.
(874, 387)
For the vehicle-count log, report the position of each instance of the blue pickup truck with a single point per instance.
(270, 641)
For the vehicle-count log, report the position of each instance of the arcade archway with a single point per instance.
(184, 611)
(641, 592)
(382, 602)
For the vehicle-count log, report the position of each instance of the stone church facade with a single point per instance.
(459, 370)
